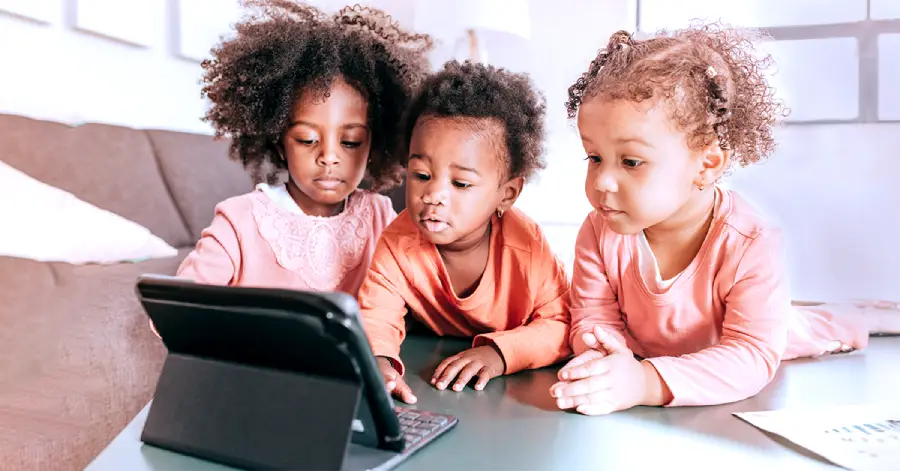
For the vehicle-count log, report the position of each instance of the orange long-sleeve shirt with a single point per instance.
(520, 305)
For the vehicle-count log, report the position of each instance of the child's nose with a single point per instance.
(328, 155)
(435, 193)
(605, 181)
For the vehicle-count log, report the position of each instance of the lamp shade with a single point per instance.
(449, 19)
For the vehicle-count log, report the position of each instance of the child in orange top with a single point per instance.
(460, 258)
(320, 97)
(669, 267)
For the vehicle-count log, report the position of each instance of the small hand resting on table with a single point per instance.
(394, 382)
(484, 362)
(607, 378)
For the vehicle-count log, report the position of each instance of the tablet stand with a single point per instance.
(255, 418)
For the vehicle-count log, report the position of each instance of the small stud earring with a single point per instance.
(499, 213)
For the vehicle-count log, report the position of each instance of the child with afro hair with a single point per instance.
(680, 294)
(320, 98)
(461, 259)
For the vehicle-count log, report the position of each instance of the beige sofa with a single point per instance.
(77, 359)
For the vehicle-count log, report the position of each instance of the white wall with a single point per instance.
(833, 189)
(127, 62)
(55, 71)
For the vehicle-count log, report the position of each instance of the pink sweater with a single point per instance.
(252, 241)
(718, 332)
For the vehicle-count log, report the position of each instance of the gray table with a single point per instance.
(514, 424)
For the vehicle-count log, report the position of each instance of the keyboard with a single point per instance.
(420, 427)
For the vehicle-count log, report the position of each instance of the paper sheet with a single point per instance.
(860, 437)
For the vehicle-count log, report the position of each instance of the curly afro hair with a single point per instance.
(474, 90)
(711, 76)
(283, 48)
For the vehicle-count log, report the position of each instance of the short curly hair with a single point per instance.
(475, 90)
(283, 48)
(711, 75)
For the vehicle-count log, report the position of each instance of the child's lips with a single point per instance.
(328, 183)
(607, 211)
(434, 224)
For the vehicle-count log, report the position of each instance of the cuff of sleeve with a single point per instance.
(577, 344)
(664, 368)
(575, 337)
(504, 346)
(393, 356)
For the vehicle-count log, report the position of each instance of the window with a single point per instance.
(847, 51)
(885, 9)
(808, 69)
(889, 76)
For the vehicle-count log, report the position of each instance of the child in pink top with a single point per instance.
(669, 267)
(320, 97)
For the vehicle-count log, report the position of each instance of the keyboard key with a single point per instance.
(412, 438)
(430, 426)
(436, 419)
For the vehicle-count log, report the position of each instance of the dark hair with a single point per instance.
(284, 48)
(474, 90)
(711, 76)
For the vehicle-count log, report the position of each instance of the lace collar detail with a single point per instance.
(320, 250)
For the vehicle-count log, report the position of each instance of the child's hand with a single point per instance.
(587, 341)
(394, 382)
(484, 362)
(605, 379)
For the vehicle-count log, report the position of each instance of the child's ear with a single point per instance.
(713, 161)
(511, 191)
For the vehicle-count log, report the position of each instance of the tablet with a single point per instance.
(316, 334)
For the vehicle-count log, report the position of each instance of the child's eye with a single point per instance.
(460, 184)
(351, 144)
(421, 176)
(595, 159)
(306, 142)
(632, 163)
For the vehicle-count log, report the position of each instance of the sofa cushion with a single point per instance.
(82, 360)
(199, 174)
(91, 234)
(111, 167)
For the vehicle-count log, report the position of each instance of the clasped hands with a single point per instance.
(605, 378)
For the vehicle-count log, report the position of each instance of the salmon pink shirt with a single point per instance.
(716, 332)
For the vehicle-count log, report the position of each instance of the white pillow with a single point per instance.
(45, 223)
